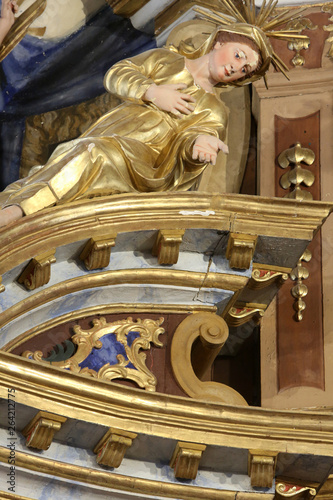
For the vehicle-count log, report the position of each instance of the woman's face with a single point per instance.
(231, 61)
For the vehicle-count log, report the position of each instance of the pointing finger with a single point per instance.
(223, 147)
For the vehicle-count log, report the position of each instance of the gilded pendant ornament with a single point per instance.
(299, 291)
(298, 45)
(124, 338)
(297, 175)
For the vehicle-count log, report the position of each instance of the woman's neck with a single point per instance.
(199, 69)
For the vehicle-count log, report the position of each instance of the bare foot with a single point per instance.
(10, 214)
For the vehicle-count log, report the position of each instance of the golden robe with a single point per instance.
(136, 147)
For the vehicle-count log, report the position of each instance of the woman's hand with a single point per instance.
(8, 9)
(206, 148)
(168, 98)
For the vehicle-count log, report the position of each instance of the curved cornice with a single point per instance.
(105, 403)
(80, 220)
(168, 277)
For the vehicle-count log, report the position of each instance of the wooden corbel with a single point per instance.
(240, 250)
(167, 245)
(38, 272)
(185, 459)
(111, 449)
(41, 429)
(97, 252)
(261, 468)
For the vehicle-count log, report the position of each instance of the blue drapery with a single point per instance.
(40, 75)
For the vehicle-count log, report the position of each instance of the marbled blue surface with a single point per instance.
(108, 352)
(201, 251)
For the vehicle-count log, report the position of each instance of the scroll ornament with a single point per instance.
(123, 340)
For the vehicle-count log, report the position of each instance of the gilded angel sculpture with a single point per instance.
(171, 125)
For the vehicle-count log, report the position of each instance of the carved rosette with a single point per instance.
(40, 431)
(297, 175)
(185, 459)
(96, 254)
(38, 272)
(299, 291)
(167, 244)
(240, 250)
(111, 449)
(261, 468)
(146, 331)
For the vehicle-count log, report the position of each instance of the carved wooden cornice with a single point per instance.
(189, 420)
(120, 213)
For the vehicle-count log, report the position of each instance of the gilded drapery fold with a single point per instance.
(136, 147)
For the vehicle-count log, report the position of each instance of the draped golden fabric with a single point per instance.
(136, 147)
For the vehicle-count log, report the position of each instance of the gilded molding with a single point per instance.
(297, 175)
(181, 419)
(126, 8)
(5, 495)
(261, 468)
(263, 276)
(299, 291)
(96, 253)
(242, 313)
(2, 287)
(167, 244)
(170, 277)
(86, 340)
(38, 272)
(287, 489)
(41, 429)
(102, 310)
(240, 250)
(185, 459)
(121, 482)
(188, 331)
(111, 449)
(21, 27)
(93, 218)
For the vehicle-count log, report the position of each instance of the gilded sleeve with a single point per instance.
(130, 78)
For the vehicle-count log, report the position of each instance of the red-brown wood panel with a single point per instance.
(300, 346)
